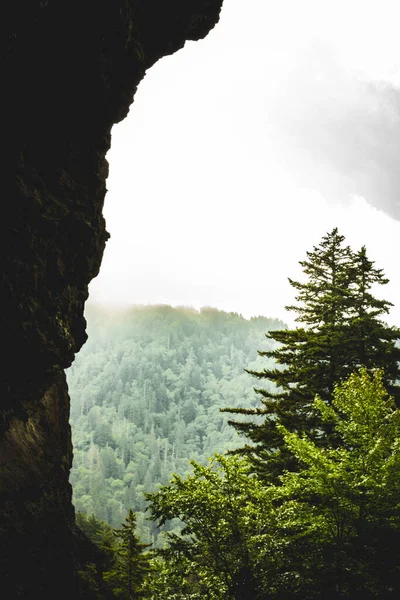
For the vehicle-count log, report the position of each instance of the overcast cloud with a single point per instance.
(242, 150)
(343, 133)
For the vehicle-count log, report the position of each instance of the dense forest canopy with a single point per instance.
(308, 508)
(146, 391)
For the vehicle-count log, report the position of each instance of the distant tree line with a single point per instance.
(146, 391)
(308, 505)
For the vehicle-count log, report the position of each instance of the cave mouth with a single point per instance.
(70, 72)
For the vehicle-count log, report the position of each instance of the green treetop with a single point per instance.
(341, 330)
(132, 565)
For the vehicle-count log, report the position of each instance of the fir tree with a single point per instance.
(132, 565)
(340, 331)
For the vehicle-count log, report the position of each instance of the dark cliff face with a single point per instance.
(69, 71)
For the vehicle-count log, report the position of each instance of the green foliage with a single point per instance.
(132, 566)
(123, 563)
(145, 396)
(346, 499)
(341, 331)
(98, 532)
(329, 530)
(217, 551)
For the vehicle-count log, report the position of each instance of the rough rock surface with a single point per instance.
(69, 71)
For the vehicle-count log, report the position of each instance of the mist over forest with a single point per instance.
(230, 458)
(146, 390)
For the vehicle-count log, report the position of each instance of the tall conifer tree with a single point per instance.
(340, 331)
(132, 565)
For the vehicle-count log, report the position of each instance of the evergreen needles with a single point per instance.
(340, 331)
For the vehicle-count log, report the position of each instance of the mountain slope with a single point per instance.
(146, 391)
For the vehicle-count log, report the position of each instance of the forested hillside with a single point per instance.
(146, 390)
(307, 504)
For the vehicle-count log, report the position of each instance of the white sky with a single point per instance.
(242, 150)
